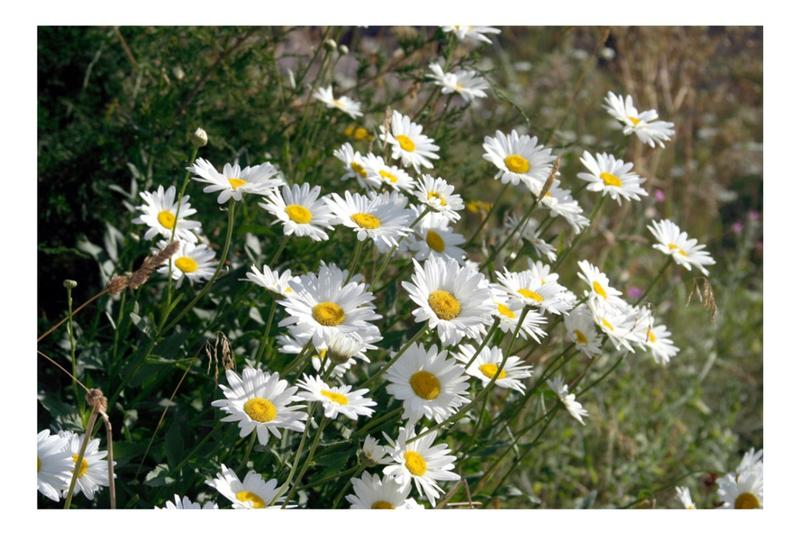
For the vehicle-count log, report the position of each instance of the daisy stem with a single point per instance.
(488, 214)
(165, 307)
(351, 270)
(654, 281)
(517, 328)
(309, 458)
(87, 436)
(483, 344)
(72, 348)
(374, 422)
(262, 347)
(275, 256)
(580, 235)
(207, 287)
(444, 113)
(299, 359)
(249, 449)
(504, 243)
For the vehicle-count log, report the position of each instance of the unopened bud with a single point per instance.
(70, 283)
(330, 44)
(200, 138)
(343, 49)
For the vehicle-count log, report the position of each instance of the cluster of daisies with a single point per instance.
(57, 460)
(330, 318)
(739, 489)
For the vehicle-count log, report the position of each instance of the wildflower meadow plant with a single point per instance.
(388, 320)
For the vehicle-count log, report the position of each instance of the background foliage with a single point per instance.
(116, 107)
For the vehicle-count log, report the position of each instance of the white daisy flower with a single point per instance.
(300, 210)
(322, 304)
(685, 496)
(508, 311)
(342, 349)
(468, 84)
(159, 213)
(611, 176)
(744, 490)
(519, 158)
(645, 125)
(374, 453)
(475, 34)
(93, 473)
(54, 464)
(454, 300)
(235, 181)
(344, 104)
(254, 492)
(684, 250)
(194, 262)
(751, 458)
(531, 289)
(376, 493)
(568, 399)
(185, 503)
(421, 462)
(260, 402)
(433, 237)
(561, 203)
(277, 283)
(657, 339)
(487, 362)
(437, 194)
(621, 325)
(380, 173)
(408, 142)
(530, 231)
(579, 324)
(428, 383)
(599, 287)
(355, 165)
(383, 218)
(336, 400)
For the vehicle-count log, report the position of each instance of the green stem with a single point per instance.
(262, 346)
(484, 342)
(378, 375)
(277, 254)
(522, 221)
(578, 238)
(654, 281)
(72, 349)
(488, 215)
(79, 461)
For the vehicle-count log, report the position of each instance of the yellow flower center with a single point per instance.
(246, 496)
(365, 220)
(599, 290)
(651, 336)
(478, 206)
(336, 398)
(608, 325)
(388, 176)
(747, 500)
(517, 164)
(580, 338)
(634, 120)
(506, 311)
(298, 213)
(437, 195)
(445, 305)
(84, 465)
(673, 247)
(186, 265)
(415, 463)
(434, 241)
(490, 369)
(166, 218)
(361, 133)
(531, 295)
(260, 409)
(358, 168)
(405, 142)
(609, 179)
(236, 183)
(425, 385)
(382, 505)
(328, 313)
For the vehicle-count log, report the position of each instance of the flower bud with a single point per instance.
(70, 283)
(343, 49)
(200, 138)
(330, 44)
